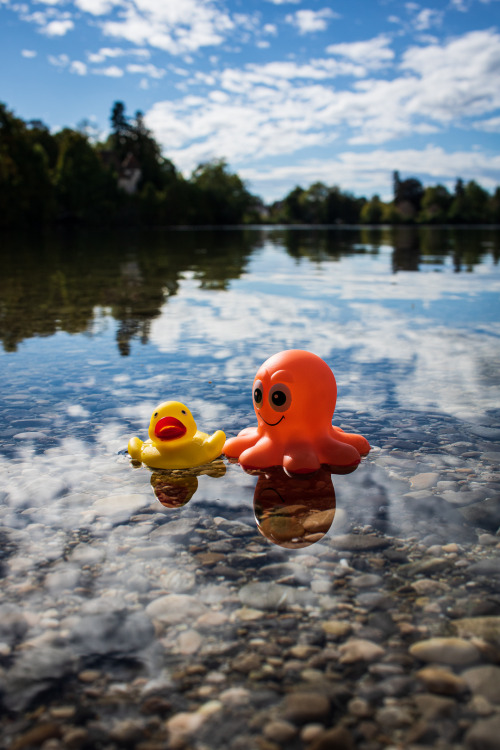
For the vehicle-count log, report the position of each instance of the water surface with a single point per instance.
(122, 585)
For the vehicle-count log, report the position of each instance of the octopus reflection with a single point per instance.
(294, 511)
(175, 488)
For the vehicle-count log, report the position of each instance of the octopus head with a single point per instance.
(294, 392)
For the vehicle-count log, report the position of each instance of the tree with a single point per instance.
(471, 204)
(408, 195)
(219, 196)
(26, 195)
(435, 205)
(85, 191)
(371, 213)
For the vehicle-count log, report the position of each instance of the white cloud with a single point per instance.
(284, 2)
(58, 28)
(113, 71)
(368, 173)
(97, 7)
(170, 25)
(448, 88)
(105, 52)
(308, 21)
(78, 67)
(150, 70)
(488, 126)
(372, 53)
(426, 18)
(59, 61)
(282, 108)
(29, 53)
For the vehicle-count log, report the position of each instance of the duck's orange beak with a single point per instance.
(169, 428)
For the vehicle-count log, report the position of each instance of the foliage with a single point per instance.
(65, 177)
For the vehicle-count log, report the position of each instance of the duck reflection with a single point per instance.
(294, 511)
(175, 488)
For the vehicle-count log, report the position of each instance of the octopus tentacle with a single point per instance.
(358, 441)
(261, 455)
(337, 453)
(244, 440)
(300, 458)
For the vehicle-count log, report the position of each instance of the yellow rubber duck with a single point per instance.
(174, 440)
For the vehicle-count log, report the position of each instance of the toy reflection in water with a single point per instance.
(176, 488)
(294, 512)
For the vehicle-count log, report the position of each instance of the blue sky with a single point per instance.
(287, 91)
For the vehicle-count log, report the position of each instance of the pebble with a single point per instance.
(359, 542)
(453, 651)
(484, 734)
(273, 596)
(337, 738)
(487, 628)
(173, 609)
(303, 708)
(359, 649)
(442, 681)
(484, 681)
(424, 480)
(336, 628)
(189, 642)
(280, 731)
(36, 736)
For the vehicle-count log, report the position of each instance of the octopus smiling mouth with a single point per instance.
(272, 424)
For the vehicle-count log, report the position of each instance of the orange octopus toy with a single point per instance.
(294, 396)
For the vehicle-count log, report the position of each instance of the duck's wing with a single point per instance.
(134, 448)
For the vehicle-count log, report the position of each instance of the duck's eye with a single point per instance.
(155, 414)
(257, 393)
(280, 397)
(182, 411)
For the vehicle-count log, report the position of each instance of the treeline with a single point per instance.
(48, 178)
(412, 204)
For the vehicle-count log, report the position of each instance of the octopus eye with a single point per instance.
(280, 397)
(257, 393)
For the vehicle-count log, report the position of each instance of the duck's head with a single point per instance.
(171, 424)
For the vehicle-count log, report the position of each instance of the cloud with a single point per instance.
(426, 18)
(373, 53)
(283, 107)
(58, 28)
(450, 89)
(150, 70)
(78, 67)
(308, 21)
(113, 71)
(105, 52)
(488, 126)
(97, 7)
(170, 25)
(368, 173)
(29, 53)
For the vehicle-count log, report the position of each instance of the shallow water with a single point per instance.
(144, 609)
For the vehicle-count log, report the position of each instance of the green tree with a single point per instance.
(408, 195)
(371, 213)
(219, 197)
(471, 204)
(435, 205)
(26, 195)
(85, 190)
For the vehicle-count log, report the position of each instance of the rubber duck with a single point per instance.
(294, 397)
(174, 440)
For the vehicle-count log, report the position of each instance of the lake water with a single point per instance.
(153, 610)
